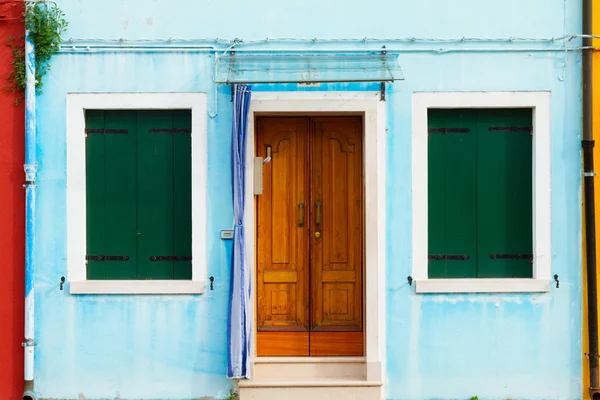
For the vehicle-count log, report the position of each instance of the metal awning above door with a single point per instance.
(307, 68)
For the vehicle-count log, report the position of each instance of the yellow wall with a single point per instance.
(596, 133)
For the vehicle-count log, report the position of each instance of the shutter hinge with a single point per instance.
(448, 257)
(445, 131)
(511, 129)
(102, 131)
(170, 258)
(503, 256)
(170, 130)
(107, 258)
(588, 174)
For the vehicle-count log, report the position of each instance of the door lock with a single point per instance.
(317, 235)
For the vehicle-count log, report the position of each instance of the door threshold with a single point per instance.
(308, 359)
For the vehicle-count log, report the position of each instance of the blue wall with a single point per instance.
(438, 346)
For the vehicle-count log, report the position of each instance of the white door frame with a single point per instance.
(374, 114)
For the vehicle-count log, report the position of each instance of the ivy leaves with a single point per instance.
(45, 23)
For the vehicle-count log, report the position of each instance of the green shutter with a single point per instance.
(95, 168)
(504, 190)
(120, 193)
(480, 193)
(110, 194)
(182, 172)
(452, 194)
(139, 206)
(155, 194)
(436, 183)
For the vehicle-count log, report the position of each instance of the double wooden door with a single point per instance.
(310, 237)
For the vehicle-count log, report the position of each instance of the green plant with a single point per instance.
(45, 23)
(233, 395)
(474, 398)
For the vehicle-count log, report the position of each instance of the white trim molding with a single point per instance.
(539, 102)
(77, 104)
(373, 110)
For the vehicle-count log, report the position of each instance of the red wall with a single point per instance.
(12, 217)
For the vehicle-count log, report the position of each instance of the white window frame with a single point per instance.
(539, 102)
(368, 104)
(77, 104)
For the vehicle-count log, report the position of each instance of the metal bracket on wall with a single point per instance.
(588, 174)
(232, 84)
(384, 54)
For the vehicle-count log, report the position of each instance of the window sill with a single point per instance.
(506, 285)
(136, 287)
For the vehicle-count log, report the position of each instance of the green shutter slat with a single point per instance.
(436, 157)
(155, 194)
(121, 194)
(504, 193)
(95, 194)
(182, 173)
(461, 191)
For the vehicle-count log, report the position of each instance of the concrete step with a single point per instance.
(309, 367)
(313, 389)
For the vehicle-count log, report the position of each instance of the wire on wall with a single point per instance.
(221, 47)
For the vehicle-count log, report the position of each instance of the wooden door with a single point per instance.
(282, 293)
(310, 237)
(336, 244)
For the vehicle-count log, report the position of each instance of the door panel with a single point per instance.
(283, 344)
(282, 243)
(324, 344)
(336, 256)
(312, 187)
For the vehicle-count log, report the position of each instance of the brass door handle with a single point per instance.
(318, 217)
(301, 216)
(317, 235)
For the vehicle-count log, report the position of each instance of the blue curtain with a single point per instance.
(240, 313)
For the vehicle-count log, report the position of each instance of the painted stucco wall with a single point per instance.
(12, 218)
(438, 346)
